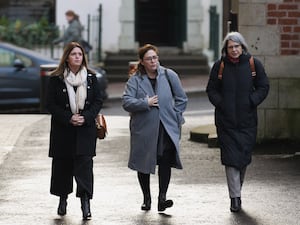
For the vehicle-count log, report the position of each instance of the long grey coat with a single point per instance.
(145, 120)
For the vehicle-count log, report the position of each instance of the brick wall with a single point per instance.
(286, 15)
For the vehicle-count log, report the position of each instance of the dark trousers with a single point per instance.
(164, 174)
(63, 171)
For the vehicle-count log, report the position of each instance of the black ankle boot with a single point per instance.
(147, 203)
(235, 204)
(85, 207)
(62, 206)
(163, 203)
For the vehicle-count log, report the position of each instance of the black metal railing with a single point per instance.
(214, 31)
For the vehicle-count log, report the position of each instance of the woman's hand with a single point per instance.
(77, 120)
(153, 101)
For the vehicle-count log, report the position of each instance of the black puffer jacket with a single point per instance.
(236, 97)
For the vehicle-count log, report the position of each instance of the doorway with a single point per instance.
(162, 23)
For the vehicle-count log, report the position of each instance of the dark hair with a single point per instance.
(63, 65)
(72, 13)
(235, 37)
(141, 53)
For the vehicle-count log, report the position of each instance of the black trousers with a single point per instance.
(63, 171)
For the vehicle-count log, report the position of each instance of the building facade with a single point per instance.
(274, 37)
(127, 24)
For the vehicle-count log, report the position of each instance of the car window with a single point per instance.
(6, 57)
(27, 61)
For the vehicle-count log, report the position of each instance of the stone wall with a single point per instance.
(272, 30)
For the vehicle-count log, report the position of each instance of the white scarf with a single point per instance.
(77, 100)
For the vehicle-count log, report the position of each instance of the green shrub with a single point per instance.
(30, 34)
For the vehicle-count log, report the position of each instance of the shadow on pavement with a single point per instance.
(63, 220)
(243, 218)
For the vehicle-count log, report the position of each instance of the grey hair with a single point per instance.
(235, 37)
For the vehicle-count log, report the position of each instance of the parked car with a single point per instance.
(20, 77)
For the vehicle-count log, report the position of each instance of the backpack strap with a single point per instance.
(221, 68)
(252, 67)
(168, 78)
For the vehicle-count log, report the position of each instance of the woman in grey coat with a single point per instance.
(74, 30)
(155, 100)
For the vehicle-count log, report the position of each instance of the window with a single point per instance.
(6, 57)
(27, 61)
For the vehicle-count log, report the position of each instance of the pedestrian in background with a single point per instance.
(236, 90)
(73, 31)
(155, 100)
(74, 100)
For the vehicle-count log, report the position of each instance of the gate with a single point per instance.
(94, 35)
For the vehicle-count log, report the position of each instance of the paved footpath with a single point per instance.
(271, 194)
(11, 127)
(271, 191)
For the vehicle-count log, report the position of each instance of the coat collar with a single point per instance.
(145, 83)
(243, 58)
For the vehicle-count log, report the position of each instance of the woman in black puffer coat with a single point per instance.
(236, 90)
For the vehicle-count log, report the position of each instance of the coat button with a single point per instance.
(88, 87)
(87, 102)
(64, 90)
(67, 105)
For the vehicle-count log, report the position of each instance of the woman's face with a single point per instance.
(150, 61)
(69, 18)
(75, 57)
(234, 49)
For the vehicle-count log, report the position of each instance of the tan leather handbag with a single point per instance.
(101, 126)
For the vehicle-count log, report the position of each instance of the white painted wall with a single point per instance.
(115, 19)
(110, 18)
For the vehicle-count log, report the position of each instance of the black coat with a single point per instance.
(236, 97)
(67, 140)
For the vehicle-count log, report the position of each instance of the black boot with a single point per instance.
(62, 206)
(147, 203)
(85, 207)
(163, 203)
(144, 180)
(235, 205)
